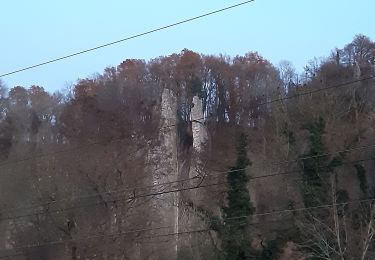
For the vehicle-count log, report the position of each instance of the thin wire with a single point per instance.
(318, 90)
(327, 154)
(112, 201)
(115, 235)
(298, 159)
(126, 39)
(83, 146)
(98, 194)
(307, 208)
(196, 231)
(155, 193)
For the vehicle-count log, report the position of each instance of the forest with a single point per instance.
(194, 156)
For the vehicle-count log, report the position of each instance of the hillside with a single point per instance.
(194, 156)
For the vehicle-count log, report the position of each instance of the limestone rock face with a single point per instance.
(163, 168)
(197, 119)
(163, 157)
(189, 219)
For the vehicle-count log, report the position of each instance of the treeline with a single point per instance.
(63, 155)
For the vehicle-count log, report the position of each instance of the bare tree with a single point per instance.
(329, 233)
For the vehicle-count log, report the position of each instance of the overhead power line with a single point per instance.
(345, 84)
(83, 146)
(132, 198)
(120, 234)
(151, 194)
(126, 39)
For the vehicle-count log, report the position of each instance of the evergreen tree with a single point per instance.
(317, 167)
(314, 190)
(238, 209)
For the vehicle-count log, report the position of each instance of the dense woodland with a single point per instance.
(286, 171)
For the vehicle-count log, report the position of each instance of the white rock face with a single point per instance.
(199, 136)
(199, 130)
(164, 169)
(190, 219)
(164, 156)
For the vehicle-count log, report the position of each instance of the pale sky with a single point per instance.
(295, 30)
